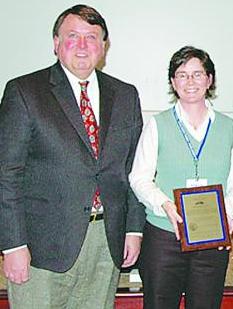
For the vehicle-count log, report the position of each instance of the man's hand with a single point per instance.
(173, 216)
(16, 265)
(131, 250)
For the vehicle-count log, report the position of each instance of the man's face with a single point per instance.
(79, 46)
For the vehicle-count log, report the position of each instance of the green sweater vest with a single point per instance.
(175, 163)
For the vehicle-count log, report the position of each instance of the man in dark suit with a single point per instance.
(68, 218)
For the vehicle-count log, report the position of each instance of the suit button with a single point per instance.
(87, 209)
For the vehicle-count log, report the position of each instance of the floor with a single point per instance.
(133, 302)
(137, 302)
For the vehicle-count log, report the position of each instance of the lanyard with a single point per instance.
(195, 156)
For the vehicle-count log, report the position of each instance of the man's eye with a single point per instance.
(73, 35)
(91, 37)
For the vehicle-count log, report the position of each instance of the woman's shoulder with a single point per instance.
(164, 114)
(223, 117)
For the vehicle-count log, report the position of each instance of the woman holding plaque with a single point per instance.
(188, 145)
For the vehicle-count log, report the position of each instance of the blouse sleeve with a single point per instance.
(143, 171)
(229, 191)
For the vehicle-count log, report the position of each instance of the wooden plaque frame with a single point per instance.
(190, 204)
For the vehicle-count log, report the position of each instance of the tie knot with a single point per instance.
(84, 85)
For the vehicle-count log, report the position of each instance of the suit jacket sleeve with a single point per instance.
(136, 214)
(14, 140)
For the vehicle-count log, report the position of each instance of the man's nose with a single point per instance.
(82, 42)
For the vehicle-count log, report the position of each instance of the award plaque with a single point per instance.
(204, 218)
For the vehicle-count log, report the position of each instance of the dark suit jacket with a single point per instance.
(49, 173)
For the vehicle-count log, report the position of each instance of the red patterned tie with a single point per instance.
(92, 130)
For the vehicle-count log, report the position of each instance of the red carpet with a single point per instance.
(134, 302)
(129, 302)
(4, 304)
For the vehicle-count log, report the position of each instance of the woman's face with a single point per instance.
(191, 82)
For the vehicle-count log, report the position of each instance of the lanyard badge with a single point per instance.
(195, 156)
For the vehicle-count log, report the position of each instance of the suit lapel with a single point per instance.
(64, 95)
(107, 95)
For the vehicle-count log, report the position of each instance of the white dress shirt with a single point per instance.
(92, 90)
(145, 164)
(93, 95)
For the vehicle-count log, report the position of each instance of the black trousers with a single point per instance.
(166, 272)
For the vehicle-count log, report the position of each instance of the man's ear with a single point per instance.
(56, 44)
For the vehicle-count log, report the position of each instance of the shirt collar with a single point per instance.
(74, 80)
(93, 89)
(181, 113)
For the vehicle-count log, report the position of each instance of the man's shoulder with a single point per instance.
(40, 74)
(31, 75)
(114, 81)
